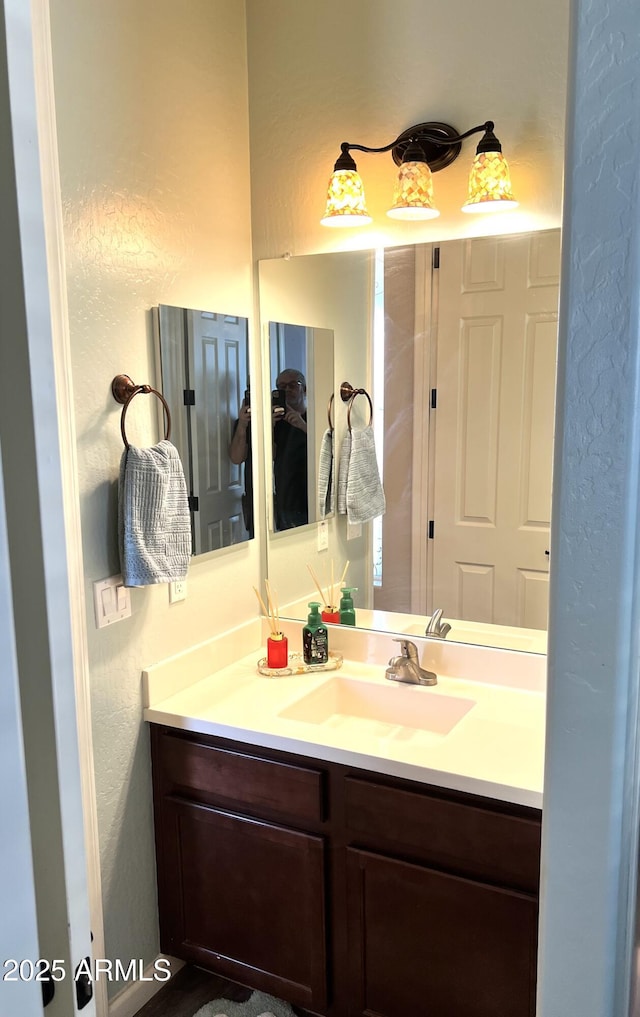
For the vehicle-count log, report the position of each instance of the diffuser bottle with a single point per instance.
(347, 610)
(277, 650)
(315, 640)
(331, 615)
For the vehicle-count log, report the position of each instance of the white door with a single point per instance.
(219, 373)
(496, 359)
(35, 612)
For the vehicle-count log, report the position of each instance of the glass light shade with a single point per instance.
(345, 200)
(413, 196)
(489, 184)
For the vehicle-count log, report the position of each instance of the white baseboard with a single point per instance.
(130, 1000)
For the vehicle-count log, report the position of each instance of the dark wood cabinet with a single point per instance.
(248, 899)
(342, 891)
(429, 942)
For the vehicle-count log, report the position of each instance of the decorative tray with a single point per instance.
(297, 666)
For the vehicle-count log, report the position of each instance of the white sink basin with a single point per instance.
(342, 700)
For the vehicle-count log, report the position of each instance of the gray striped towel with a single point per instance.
(343, 473)
(359, 486)
(326, 487)
(154, 524)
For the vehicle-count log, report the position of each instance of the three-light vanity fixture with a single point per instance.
(419, 151)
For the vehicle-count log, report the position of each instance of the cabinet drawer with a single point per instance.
(463, 838)
(240, 779)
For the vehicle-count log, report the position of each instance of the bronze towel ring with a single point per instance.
(124, 389)
(348, 395)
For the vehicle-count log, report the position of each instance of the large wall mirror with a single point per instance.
(459, 354)
(205, 378)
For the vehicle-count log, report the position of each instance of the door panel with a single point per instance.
(218, 347)
(496, 356)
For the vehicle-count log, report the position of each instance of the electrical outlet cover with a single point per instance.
(177, 591)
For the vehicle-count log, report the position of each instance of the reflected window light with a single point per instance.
(378, 399)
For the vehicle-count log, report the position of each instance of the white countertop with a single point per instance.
(495, 750)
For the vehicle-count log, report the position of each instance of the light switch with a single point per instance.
(111, 601)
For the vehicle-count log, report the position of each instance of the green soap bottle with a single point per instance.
(347, 610)
(315, 638)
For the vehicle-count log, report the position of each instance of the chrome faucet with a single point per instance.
(406, 667)
(435, 626)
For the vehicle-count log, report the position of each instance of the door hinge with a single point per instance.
(431, 529)
(189, 397)
(84, 986)
(436, 257)
(194, 503)
(434, 398)
(48, 988)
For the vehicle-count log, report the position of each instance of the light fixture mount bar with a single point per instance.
(440, 142)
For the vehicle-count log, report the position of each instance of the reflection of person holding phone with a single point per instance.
(290, 452)
(240, 452)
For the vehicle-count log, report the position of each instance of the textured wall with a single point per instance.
(590, 845)
(365, 70)
(151, 100)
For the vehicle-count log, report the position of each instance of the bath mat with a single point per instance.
(258, 1005)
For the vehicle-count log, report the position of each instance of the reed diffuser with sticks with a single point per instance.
(277, 642)
(330, 611)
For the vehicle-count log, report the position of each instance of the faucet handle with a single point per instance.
(436, 627)
(409, 649)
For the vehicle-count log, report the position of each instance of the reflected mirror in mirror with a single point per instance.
(302, 381)
(204, 366)
(461, 367)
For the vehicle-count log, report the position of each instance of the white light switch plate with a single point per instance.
(111, 601)
(354, 530)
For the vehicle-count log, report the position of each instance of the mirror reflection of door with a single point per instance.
(496, 369)
(218, 372)
(470, 357)
(205, 378)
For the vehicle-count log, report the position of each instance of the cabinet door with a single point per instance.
(424, 942)
(244, 898)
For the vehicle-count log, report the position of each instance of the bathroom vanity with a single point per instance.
(349, 886)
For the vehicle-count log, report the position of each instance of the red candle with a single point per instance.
(277, 650)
